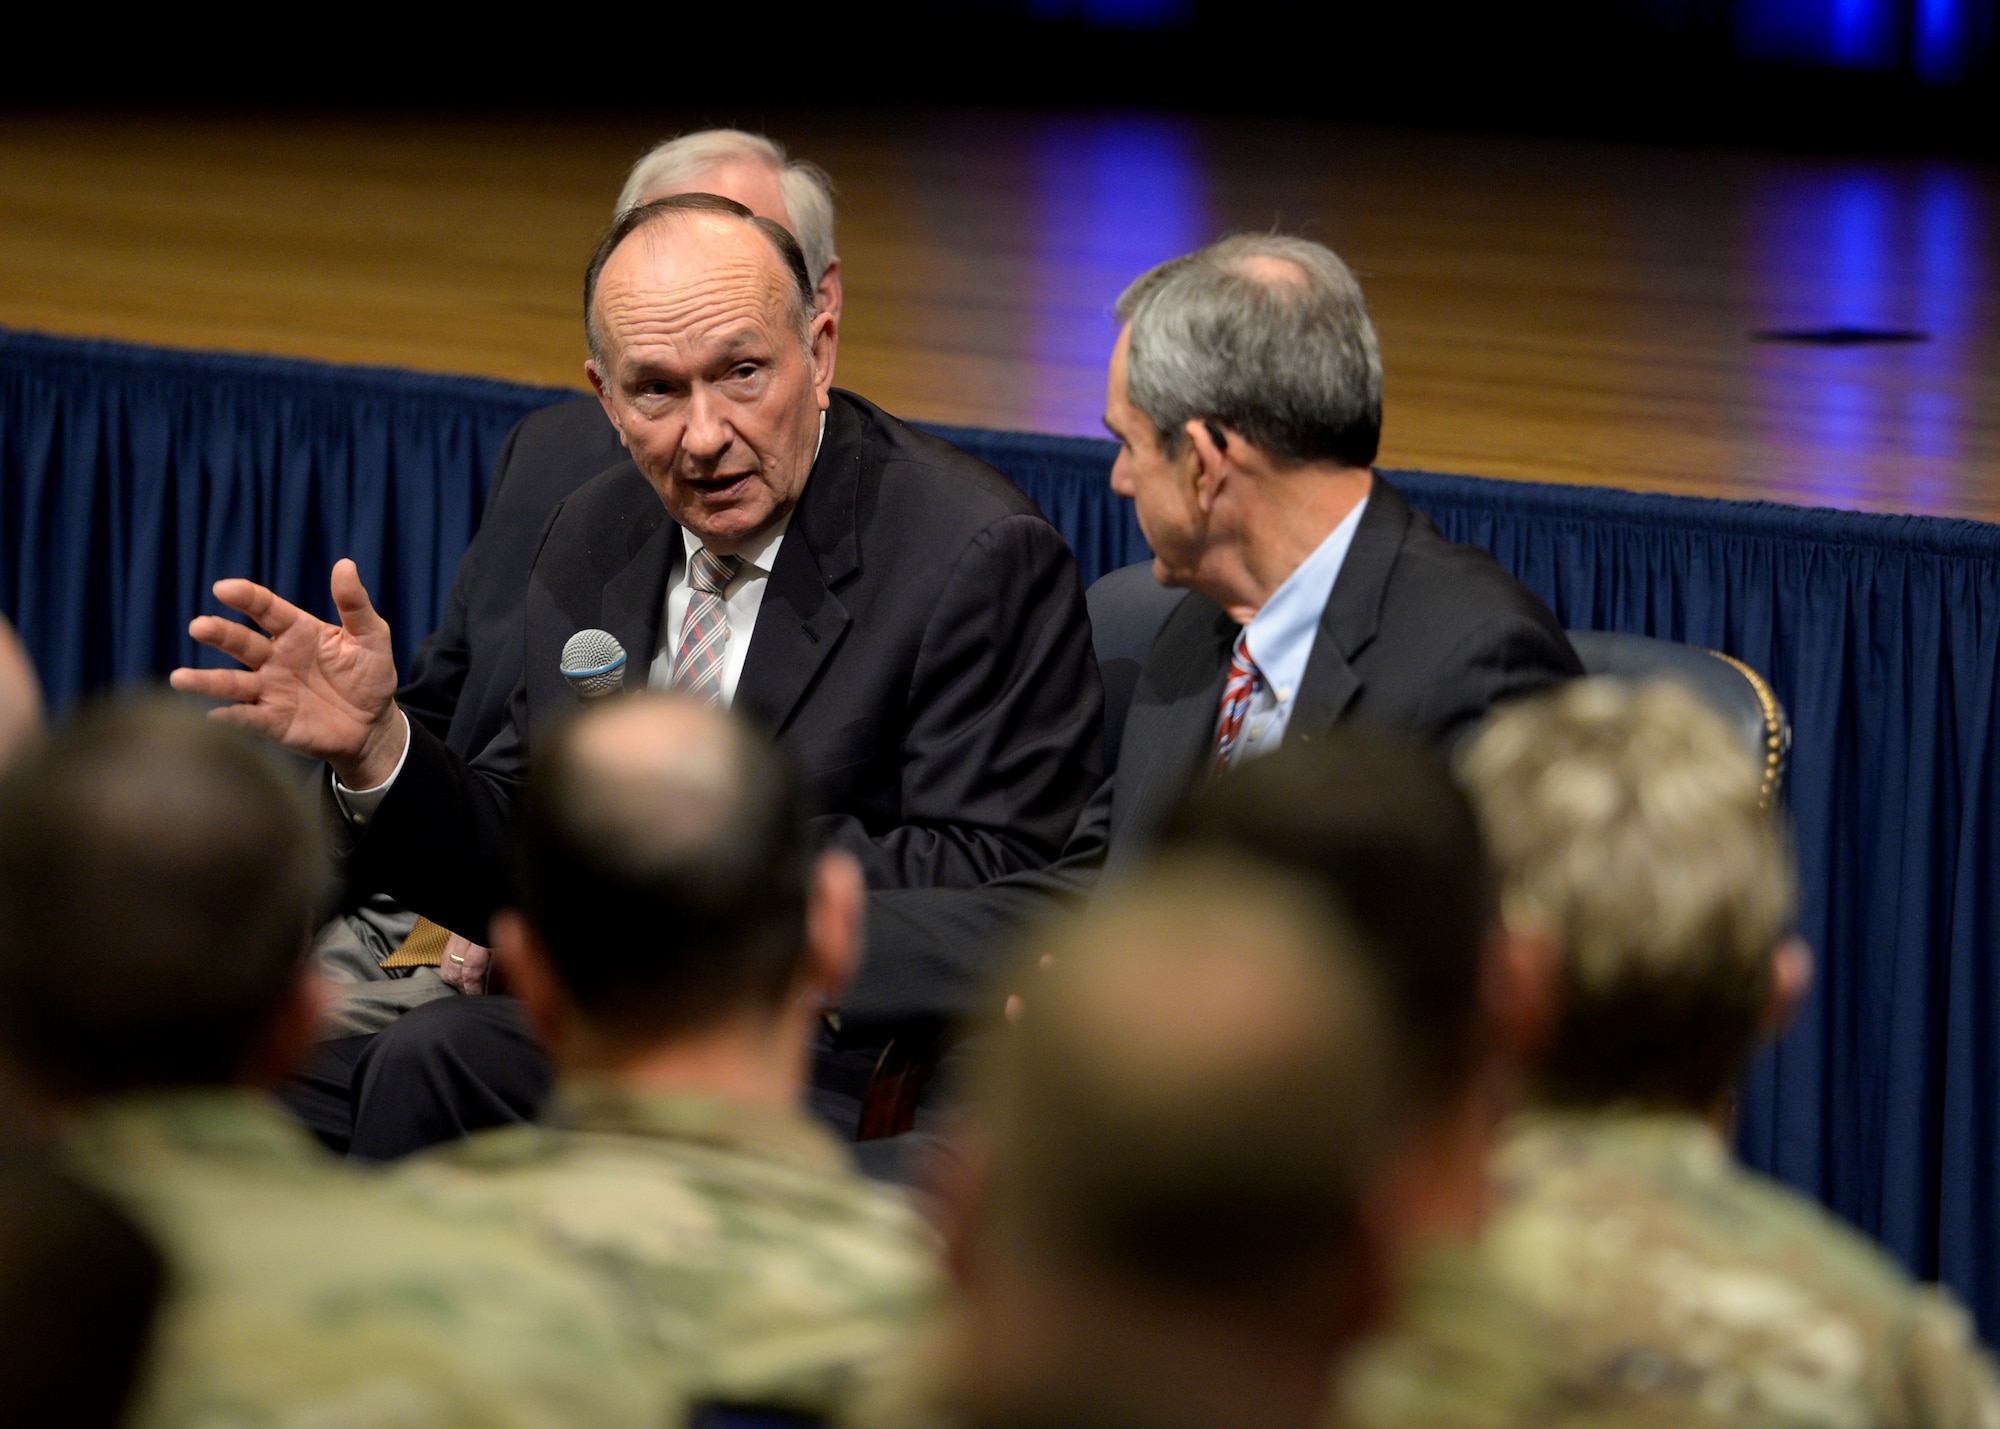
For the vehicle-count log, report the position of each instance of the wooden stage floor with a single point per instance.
(1552, 311)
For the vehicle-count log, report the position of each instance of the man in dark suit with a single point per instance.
(1245, 392)
(896, 614)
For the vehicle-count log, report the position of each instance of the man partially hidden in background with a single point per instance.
(1666, 1283)
(677, 937)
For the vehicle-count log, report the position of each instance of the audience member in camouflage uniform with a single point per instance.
(676, 937)
(1668, 1284)
(157, 879)
(1170, 1214)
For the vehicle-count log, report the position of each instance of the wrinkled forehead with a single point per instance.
(683, 275)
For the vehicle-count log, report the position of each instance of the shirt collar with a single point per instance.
(602, 1104)
(761, 554)
(1282, 632)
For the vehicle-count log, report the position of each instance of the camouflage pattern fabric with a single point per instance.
(777, 1275)
(302, 1292)
(1635, 1274)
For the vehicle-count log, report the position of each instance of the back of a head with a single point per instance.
(1628, 820)
(1266, 334)
(664, 860)
(677, 166)
(1381, 826)
(1195, 1098)
(159, 874)
(78, 1288)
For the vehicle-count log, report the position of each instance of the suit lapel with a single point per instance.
(1170, 731)
(801, 621)
(1353, 614)
(635, 598)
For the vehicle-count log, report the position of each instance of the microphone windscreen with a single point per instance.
(594, 663)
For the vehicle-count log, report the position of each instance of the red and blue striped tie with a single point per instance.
(1236, 696)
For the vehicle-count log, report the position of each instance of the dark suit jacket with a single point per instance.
(1419, 636)
(921, 653)
(462, 677)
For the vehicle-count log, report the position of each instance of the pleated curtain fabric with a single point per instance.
(131, 478)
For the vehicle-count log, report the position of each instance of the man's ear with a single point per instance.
(825, 338)
(836, 903)
(294, 1026)
(603, 391)
(1522, 987)
(520, 953)
(1212, 460)
(1791, 980)
(828, 294)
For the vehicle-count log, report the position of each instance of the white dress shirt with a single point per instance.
(1280, 638)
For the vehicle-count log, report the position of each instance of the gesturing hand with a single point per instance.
(326, 691)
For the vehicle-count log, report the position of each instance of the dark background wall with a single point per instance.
(1867, 75)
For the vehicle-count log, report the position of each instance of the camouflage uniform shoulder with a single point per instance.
(773, 1271)
(1667, 1275)
(306, 1292)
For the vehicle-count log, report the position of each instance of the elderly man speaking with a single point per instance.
(899, 617)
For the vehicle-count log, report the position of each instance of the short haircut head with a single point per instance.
(679, 164)
(1379, 824)
(665, 862)
(1628, 819)
(159, 874)
(1195, 1098)
(801, 301)
(1266, 334)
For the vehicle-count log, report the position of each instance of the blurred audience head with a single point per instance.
(1378, 824)
(20, 695)
(757, 173)
(1627, 822)
(1171, 1220)
(159, 875)
(1265, 335)
(78, 1289)
(668, 883)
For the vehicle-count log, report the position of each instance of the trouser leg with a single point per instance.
(321, 1093)
(444, 1070)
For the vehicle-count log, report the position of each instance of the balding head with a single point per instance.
(1197, 1092)
(20, 695)
(664, 865)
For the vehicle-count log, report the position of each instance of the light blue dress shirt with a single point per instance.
(1281, 638)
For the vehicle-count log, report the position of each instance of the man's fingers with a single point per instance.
(350, 598)
(217, 684)
(266, 607)
(231, 639)
(250, 717)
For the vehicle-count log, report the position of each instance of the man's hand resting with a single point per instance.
(326, 691)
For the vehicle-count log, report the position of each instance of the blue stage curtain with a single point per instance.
(130, 479)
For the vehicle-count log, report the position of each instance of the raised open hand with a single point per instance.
(327, 691)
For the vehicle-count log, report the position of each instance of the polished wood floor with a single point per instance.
(1553, 311)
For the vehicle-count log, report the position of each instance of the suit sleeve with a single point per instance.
(1004, 721)
(935, 954)
(1506, 658)
(439, 666)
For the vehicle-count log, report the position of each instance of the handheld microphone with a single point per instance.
(594, 664)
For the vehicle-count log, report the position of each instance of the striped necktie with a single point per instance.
(705, 628)
(1236, 696)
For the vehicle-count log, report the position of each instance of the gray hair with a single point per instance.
(1629, 820)
(678, 163)
(1287, 358)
